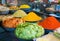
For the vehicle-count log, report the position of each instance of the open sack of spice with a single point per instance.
(50, 23)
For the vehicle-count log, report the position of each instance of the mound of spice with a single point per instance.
(24, 6)
(19, 13)
(50, 23)
(12, 22)
(32, 17)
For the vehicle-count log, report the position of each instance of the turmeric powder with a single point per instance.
(24, 6)
(32, 17)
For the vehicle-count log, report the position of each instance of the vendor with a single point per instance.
(44, 4)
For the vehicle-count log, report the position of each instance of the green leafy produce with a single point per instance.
(29, 31)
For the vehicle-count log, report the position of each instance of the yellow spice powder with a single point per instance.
(32, 17)
(24, 6)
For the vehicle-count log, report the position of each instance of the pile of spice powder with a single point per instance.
(50, 23)
(32, 17)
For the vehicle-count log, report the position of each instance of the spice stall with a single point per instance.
(29, 20)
